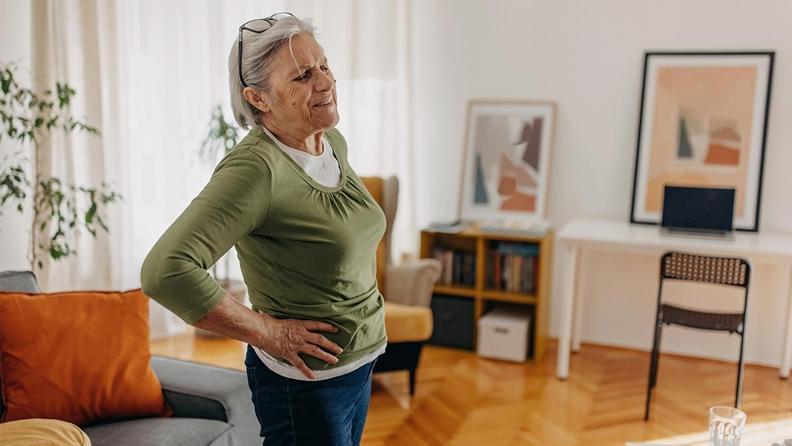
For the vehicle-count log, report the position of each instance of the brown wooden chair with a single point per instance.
(407, 288)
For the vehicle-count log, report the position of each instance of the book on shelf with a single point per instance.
(459, 266)
(512, 267)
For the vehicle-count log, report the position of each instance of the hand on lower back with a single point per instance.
(287, 338)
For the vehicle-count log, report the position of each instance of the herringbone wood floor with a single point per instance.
(462, 399)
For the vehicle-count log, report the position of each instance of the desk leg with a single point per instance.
(785, 354)
(569, 265)
(577, 329)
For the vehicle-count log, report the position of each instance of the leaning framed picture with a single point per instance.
(703, 123)
(506, 167)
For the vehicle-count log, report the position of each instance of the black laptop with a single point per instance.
(698, 210)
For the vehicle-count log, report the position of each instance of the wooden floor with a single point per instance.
(462, 399)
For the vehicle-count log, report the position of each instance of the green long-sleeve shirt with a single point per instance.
(307, 251)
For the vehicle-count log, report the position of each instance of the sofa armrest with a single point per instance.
(411, 282)
(196, 390)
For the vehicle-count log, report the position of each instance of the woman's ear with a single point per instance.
(256, 98)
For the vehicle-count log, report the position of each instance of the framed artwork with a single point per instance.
(703, 123)
(506, 165)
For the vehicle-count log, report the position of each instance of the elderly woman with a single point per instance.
(306, 231)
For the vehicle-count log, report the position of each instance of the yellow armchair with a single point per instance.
(407, 288)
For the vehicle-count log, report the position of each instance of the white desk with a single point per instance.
(605, 235)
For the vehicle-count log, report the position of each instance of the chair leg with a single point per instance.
(740, 371)
(412, 382)
(653, 366)
(656, 355)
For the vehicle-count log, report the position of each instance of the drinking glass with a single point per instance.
(726, 426)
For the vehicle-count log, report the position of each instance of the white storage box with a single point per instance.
(504, 333)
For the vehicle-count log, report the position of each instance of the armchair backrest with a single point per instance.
(386, 192)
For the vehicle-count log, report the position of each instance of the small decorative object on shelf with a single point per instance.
(453, 227)
(494, 226)
(518, 227)
(482, 269)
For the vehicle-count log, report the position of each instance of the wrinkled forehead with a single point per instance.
(302, 52)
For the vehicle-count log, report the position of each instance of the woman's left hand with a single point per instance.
(287, 338)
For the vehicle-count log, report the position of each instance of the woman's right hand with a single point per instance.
(287, 338)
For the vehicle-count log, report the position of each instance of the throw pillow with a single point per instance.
(80, 357)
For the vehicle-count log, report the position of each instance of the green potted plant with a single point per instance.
(60, 210)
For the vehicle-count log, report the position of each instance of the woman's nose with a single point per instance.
(324, 81)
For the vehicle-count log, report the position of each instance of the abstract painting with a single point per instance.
(703, 124)
(507, 160)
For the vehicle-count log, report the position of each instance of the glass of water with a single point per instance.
(726, 426)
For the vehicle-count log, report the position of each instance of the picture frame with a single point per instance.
(506, 164)
(703, 123)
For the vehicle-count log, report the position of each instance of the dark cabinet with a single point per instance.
(453, 321)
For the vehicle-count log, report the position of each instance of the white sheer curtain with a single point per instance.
(65, 46)
(148, 74)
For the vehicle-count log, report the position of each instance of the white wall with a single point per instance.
(588, 56)
(14, 47)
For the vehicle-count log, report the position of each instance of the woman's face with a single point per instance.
(304, 92)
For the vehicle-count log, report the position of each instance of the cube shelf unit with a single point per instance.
(484, 296)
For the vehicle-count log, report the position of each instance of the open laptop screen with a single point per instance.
(698, 209)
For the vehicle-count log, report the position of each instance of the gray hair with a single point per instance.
(257, 64)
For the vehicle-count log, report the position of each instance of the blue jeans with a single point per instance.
(293, 412)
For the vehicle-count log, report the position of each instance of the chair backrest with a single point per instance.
(385, 192)
(731, 271)
(23, 281)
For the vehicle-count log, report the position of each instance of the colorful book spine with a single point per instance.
(514, 268)
(459, 267)
(510, 267)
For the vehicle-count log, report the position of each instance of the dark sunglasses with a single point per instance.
(257, 26)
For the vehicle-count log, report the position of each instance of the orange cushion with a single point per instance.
(79, 357)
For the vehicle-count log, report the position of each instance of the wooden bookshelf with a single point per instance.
(479, 243)
(455, 290)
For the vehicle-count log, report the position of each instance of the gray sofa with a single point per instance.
(211, 405)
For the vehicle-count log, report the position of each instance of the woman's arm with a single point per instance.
(233, 204)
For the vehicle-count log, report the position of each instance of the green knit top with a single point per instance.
(307, 251)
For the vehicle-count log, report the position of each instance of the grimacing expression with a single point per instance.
(303, 86)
